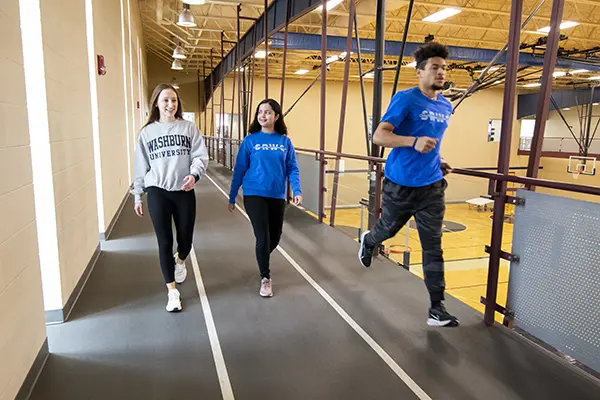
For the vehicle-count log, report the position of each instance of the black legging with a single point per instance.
(266, 215)
(164, 208)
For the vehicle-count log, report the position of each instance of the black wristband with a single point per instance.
(196, 177)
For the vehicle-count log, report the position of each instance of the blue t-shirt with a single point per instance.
(264, 163)
(414, 114)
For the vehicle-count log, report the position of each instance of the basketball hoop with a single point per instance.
(581, 166)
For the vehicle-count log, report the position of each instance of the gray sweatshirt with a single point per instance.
(165, 154)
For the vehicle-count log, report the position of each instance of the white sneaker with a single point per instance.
(180, 271)
(174, 303)
(266, 288)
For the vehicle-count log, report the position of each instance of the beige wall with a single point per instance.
(63, 169)
(22, 331)
(135, 71)
(70, 124)
(112, 117)
(557, 136)
(465, 142)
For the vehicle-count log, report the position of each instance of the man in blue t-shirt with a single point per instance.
(414, 184)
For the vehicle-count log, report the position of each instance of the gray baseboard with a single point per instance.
(106, 234)
(60, 316)
(34, 372)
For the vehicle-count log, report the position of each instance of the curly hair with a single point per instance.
(430, 50)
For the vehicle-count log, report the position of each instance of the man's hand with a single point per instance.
(425, 144)
(298, 200)
(446, 168)
(139, 210)
(188, 183)
(231, 207)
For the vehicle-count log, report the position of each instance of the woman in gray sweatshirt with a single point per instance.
(169, 159)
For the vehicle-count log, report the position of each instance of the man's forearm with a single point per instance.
(389, 139)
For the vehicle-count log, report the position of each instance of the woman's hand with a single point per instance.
(298, 200)
(139, 210)
(231, 207)
(188, 183)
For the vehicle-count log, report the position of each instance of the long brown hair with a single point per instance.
(280, 126)
(154, 111)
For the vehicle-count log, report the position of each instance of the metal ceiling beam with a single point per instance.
(475, 10)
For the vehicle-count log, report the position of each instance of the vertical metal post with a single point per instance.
(265, 21)
(250, 112)
(253, 63)
(235, 67)
(204, 97)
(378, 177)
(589, 123)
(377, 89)
(546, 89)
(508, 110)
(222, 130)
(340, 142)
(199, 100)
(362, 86)
(241, 73)
(244, 100)
(242, 81)
(404, 36)
(212, 98)
(323, 99)
(285, 45)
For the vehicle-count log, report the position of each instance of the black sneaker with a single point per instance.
(365, 253)
(438, 316)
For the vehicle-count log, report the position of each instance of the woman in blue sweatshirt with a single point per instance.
(266, 159)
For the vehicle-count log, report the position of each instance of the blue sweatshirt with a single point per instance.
(263, 164)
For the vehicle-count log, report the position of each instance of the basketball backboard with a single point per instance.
(581, 166)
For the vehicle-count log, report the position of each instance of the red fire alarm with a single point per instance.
(101, 66)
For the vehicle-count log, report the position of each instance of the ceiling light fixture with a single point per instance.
(176, 65)
(301, 72)
(179, 53)
(442, 14)
(331, 4)
(564, 25)
(186, 18)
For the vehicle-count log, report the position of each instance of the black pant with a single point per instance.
(427, 205)
(266, 215)
(164, 208)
